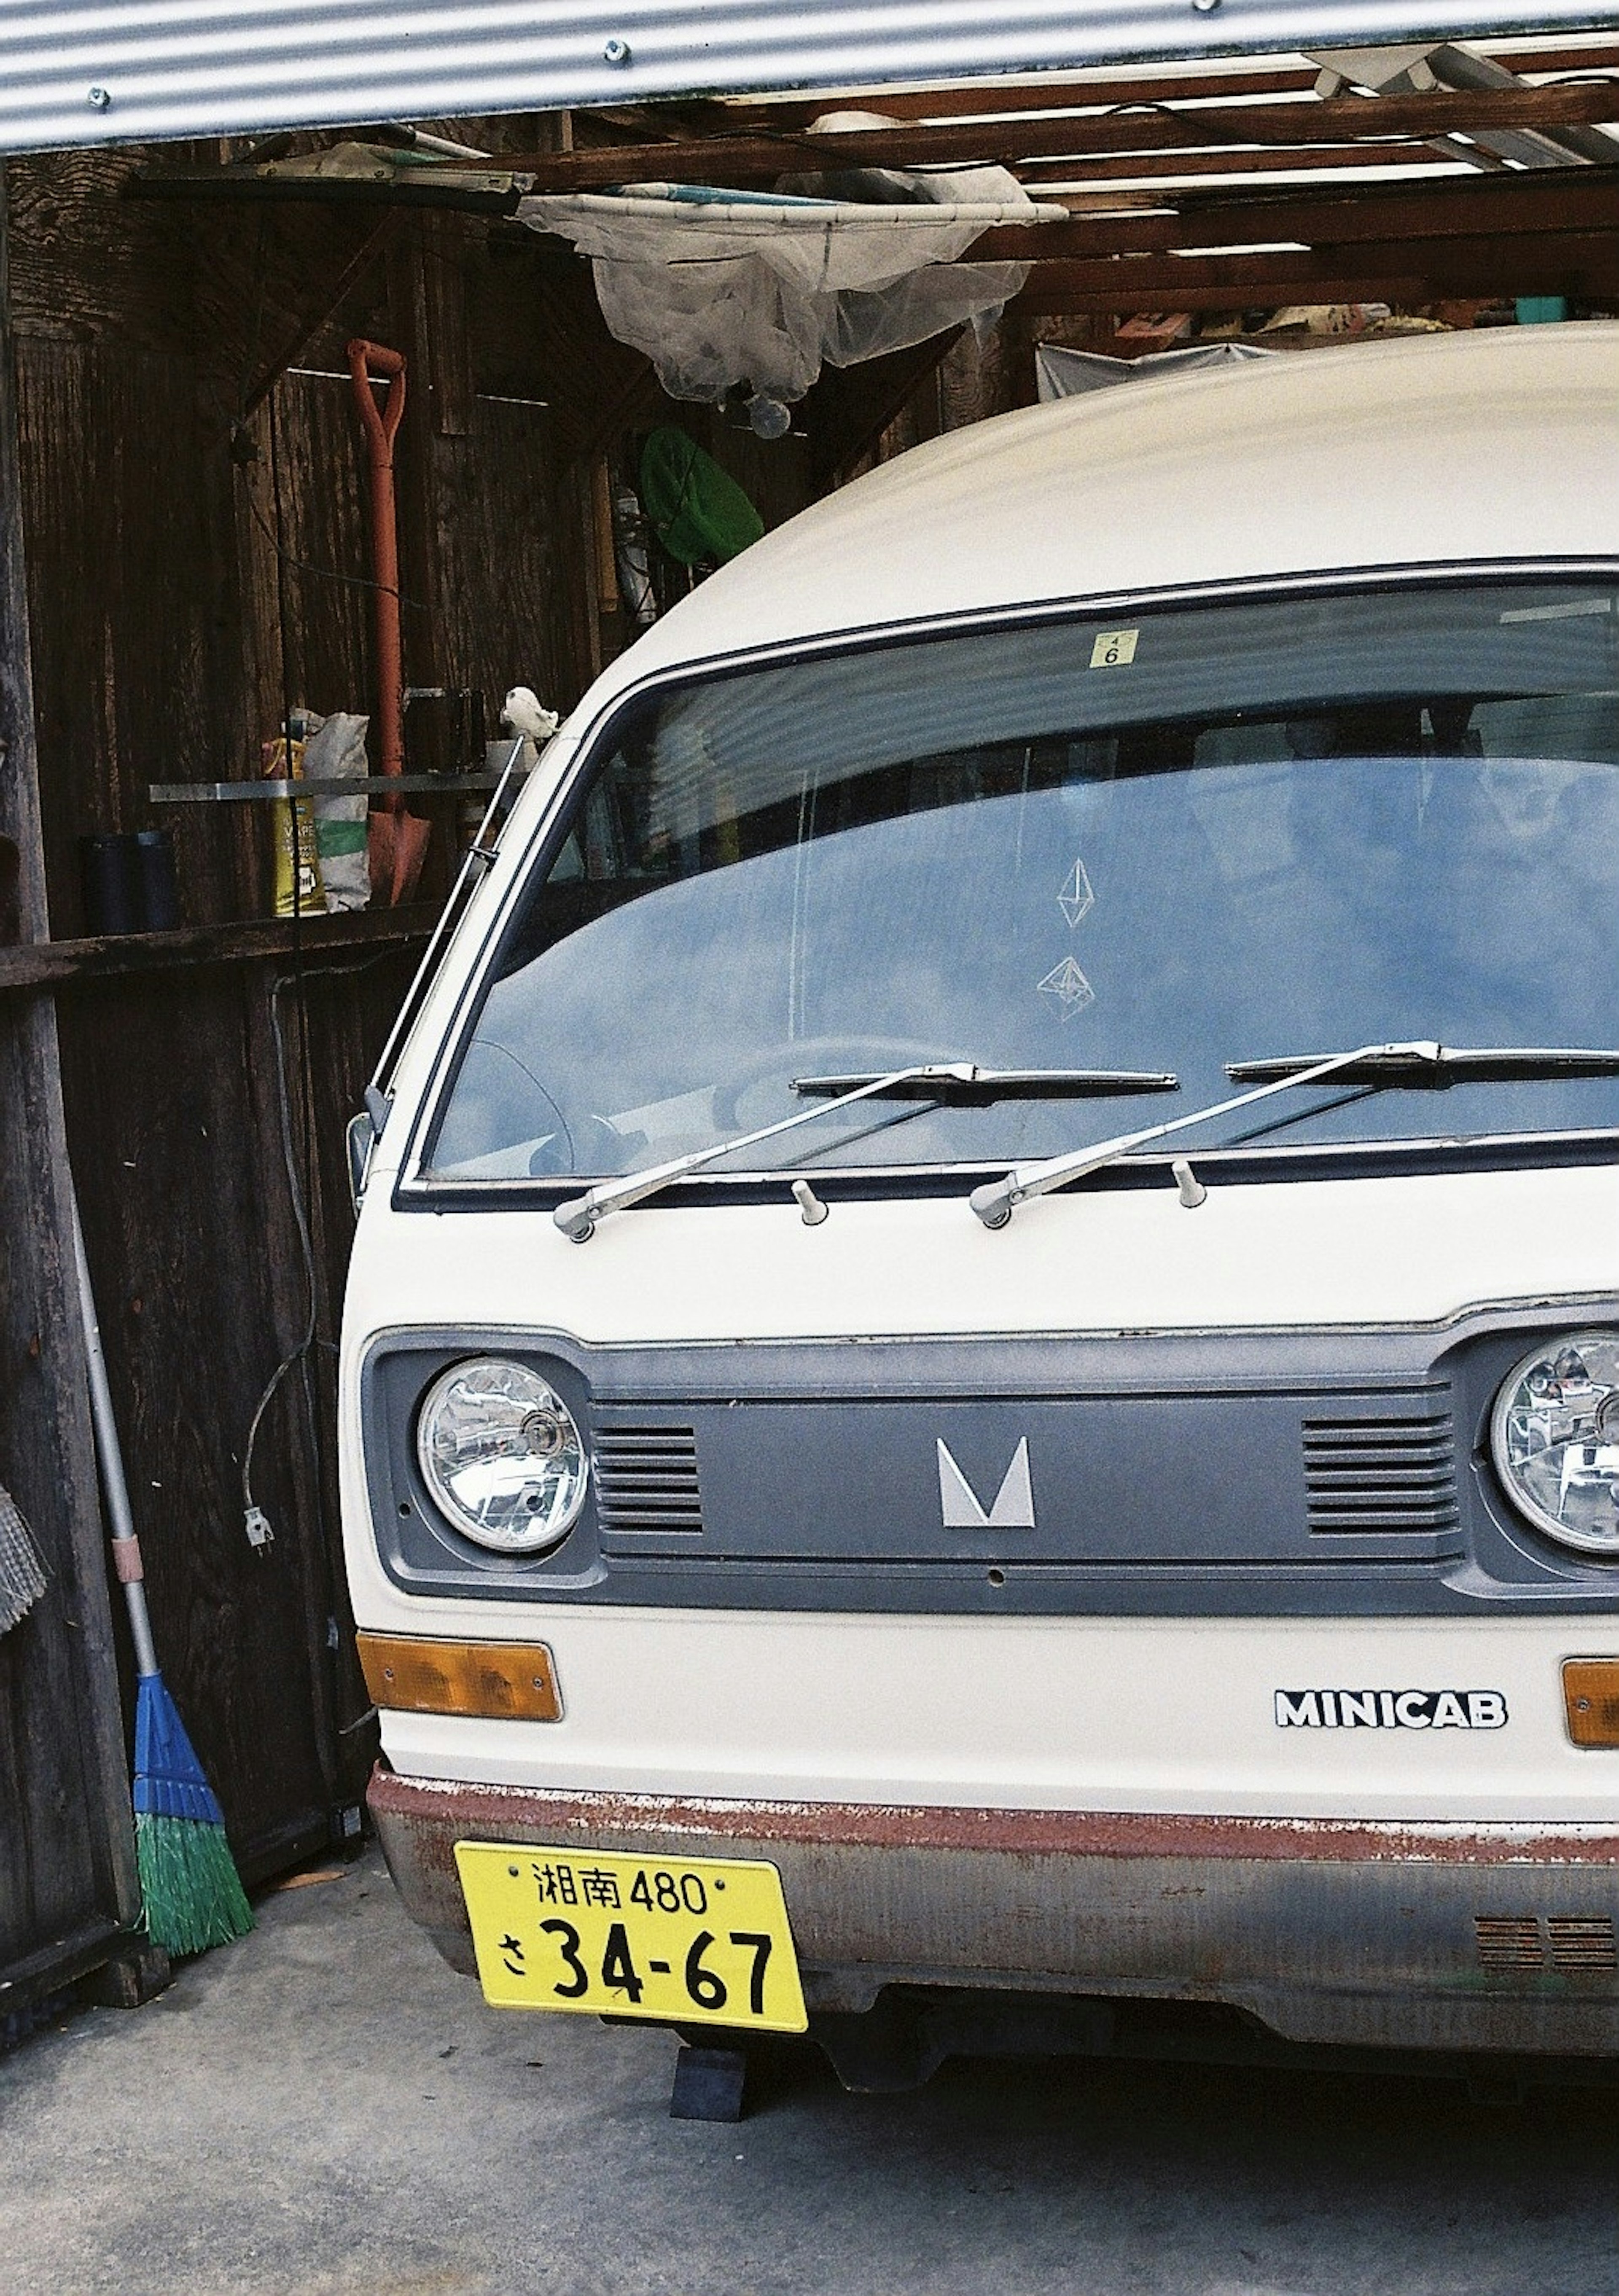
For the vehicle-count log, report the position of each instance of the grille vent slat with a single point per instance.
(1580, 1942)
(1382, 1472)
(1508, 1940)
(646, 1480)
(1576, 1944)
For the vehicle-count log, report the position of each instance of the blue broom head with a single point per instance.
(191, 1890)
(169, 1778)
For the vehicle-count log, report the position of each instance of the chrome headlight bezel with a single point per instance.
(1603, 1435)
(533, 1431)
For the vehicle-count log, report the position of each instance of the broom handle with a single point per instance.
(109, 1452)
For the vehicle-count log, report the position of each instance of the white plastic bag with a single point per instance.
(336, 752)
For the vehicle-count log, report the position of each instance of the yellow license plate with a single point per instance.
(690, 1940)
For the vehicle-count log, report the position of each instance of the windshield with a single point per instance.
(1177, 839)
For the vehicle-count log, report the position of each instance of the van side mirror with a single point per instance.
(362, 1138)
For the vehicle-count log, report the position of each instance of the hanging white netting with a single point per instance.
(723, 288)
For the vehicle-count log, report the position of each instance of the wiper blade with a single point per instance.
(579, 1216)
(963, 1083)
(1393, 1065)
(995, 1201)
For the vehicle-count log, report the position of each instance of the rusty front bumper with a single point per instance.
(1499, 1938)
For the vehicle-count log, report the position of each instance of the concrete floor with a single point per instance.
(325, 2109)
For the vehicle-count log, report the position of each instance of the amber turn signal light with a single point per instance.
(1591, 1699)
(504, 1682)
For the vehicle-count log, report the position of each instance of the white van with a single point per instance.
(982, 1359)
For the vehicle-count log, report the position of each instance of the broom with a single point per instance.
(22, 1579)
(193, 1893)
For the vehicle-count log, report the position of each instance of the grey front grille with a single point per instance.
(1385, 1470)
(1582, 1942)
(1577, 1944)
(646, 1480)
(1508, 1940)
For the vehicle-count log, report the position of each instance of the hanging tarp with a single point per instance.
(1063, 374)
(723, 288)
(107, 72)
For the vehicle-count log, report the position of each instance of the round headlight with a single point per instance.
(501, 1456)
(1555, 1435)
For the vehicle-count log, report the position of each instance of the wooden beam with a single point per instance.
(1147, 166)
(1577, 201)
(1150, 127)
(972, 102)
(1042, 93)
(1048, 299)
(1571, 265)
(1458, 207)
(326, 301)
(849, 408)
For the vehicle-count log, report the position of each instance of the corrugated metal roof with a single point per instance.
(73, 72)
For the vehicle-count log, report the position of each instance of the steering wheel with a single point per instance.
(817, 1057)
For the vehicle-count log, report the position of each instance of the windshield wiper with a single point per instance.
(963, 1084)
(579, 1216)
(1393, 1065)
(1378, 1065)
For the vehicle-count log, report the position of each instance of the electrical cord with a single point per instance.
(300, 1217)
(310, 1340)
(325, 573)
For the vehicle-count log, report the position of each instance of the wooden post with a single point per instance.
(69, 1896)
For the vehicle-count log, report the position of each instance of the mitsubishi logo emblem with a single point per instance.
(1014, 1502)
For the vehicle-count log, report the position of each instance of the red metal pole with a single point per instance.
(366, 362)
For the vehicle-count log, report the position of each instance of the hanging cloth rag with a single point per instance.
(721, 288)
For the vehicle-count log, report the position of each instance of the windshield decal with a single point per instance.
(1114, 649)
(1067, 986)
(1564, 611)
(1076, 899)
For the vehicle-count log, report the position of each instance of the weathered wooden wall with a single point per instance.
(193, 561)
(68, 1893)
(194, 546)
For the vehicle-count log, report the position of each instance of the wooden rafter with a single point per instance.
(975, 100)
(1579, 202)
(1351, 121)
(1572, 264)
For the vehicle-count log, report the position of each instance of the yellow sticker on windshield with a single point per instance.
(1114, 649)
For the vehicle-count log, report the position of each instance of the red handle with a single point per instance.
(366, 362)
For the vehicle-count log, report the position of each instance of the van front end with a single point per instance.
(1122, 1665)
(982, 1358)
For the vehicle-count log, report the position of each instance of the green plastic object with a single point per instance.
(699, 511)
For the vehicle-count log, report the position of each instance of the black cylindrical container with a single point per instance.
(160, 886)
(112, 884)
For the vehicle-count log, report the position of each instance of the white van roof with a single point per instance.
(1497, 445)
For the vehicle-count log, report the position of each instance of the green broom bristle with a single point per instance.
(193, 1894)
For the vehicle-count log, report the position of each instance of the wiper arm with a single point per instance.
(1393, 1065)
(963, 1084)
(579, 1216)
(994, 1202)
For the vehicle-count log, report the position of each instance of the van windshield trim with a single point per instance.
(1238, 1163)
(416, 1182)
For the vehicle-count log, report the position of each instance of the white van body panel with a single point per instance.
(1411, 1250)
(1420, 454)
(1096, 1714)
